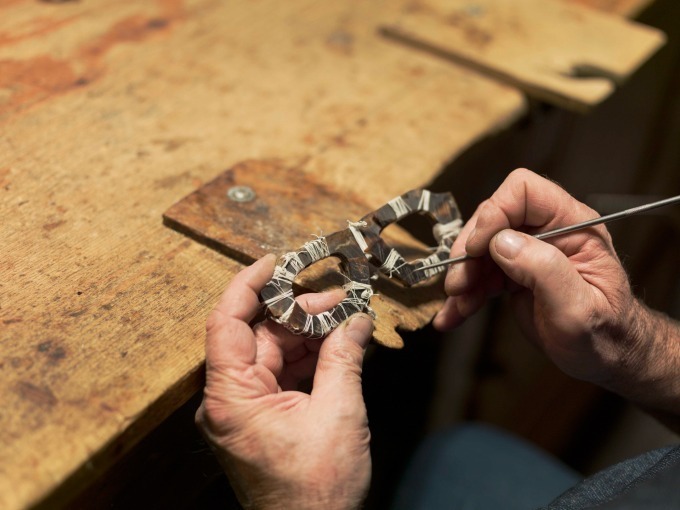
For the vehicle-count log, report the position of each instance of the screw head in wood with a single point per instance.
(241, 194)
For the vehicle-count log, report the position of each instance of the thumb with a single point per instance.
(540, 267)
(337, 379)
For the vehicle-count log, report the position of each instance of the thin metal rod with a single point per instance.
(572, 228)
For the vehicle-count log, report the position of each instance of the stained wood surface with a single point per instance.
(110, 112)
(556, 51)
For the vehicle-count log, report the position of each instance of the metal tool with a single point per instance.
(572, 228)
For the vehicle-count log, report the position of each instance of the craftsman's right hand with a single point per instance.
(282, 448)
(569, 293)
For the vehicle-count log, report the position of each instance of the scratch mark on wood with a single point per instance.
(53, 225)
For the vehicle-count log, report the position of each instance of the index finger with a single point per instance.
(524, 199)
(240, 300)
(230, 343)
(463, 276)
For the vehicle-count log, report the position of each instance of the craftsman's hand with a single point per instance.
(283, 448)
(570, 293)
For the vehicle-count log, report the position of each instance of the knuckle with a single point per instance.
(214, 319)
(209, 413)
(520, 174)
(549, 257)
(492, 216)
(450, 285)
(199, 417)
(470, 303)
(214, 417)
(458, 280)
(549, 262)
(486, 207)
(347, 355)
(517, 179)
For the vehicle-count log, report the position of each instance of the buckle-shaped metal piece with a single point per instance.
(356, 246)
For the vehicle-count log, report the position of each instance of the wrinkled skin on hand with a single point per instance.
(280, 447)
(570, 293)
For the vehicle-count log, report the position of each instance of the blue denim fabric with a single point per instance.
(481, 468)
(476, 467)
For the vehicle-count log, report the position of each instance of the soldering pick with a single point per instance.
(572, 228)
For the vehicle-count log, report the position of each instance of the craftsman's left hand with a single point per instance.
(283, 448)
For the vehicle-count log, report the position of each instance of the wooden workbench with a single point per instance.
(111, 111)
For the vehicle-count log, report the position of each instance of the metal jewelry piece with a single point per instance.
(439, 207)
(356, 246)
(278, 296)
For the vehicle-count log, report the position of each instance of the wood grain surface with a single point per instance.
(556, 51)
(111, 111)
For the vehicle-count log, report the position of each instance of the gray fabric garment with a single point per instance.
(647, 482)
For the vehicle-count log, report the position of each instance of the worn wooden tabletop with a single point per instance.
(111, 111)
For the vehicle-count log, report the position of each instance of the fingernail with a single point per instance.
(359, 328)
(509, 243)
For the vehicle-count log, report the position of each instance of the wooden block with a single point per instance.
(553, 50)
(287, 209)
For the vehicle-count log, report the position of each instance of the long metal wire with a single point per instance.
(572, 228)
